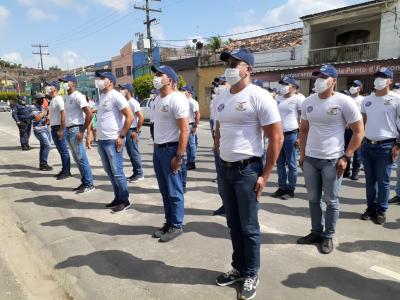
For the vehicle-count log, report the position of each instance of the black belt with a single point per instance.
(133, 128)
(380, 142)
(55, 126)
(165, 145)
(69, 127)
(291, 132)
(240, 163)
(191, 123)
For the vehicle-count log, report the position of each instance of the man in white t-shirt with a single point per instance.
(78, 118)
(381, 113)
(324, 117)
(289, 106)
(355, 164)
(245, 113)
(153, 94)
(132, 139)
(171, 133)
(194, 120)
(114, 118)
(57, 125)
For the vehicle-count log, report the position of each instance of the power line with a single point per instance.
(41, 53)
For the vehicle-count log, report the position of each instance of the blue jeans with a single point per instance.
(356, 160)
(218, 168)
(287, 180)
(62, 149)
(241, 208)
(212, 128)
(398, 177)
(191, 146)
(170, 185)
(377, 160)
(113, 163)
(132, 148)
(320, 177)
(79, 154)
(45, 145)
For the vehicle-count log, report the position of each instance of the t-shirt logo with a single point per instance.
(368, 103)
(164, 108)
(70, 101)
(388, 101)
(310, 109)
(332, 111)
(241, 106)
(221, 107)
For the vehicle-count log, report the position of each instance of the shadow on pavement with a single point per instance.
(392, 225)
(123, 265)
(345, 283)
(58, 201)
(387, 247)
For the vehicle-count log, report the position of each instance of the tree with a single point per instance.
(143, 85)
(215, 43)
(182, 82)
(54, 68)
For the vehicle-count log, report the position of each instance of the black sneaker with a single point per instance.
(288, 194)
(380, 218)
(355, 176)
(161, 231)
(171, 234)
(219, 212)
(58, 174)
(45, 168)
(131, 177)
(368, 214)
(229, 278)
(312, 238)
(112, 204)
(64, 176)
(326, 245)
(346, 175)
(248, 290)
(120, 207)
(78, 187)
(394, 200)
(190, 166)
(278, 193)
(86, 189)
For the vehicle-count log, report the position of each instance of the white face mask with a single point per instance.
(124, 92)
(157, 82)
(232, 76)
(100, 84)
(321, 85)
(380, 83)
(65, 86)
(353, 90)
(48, 90)
(220, 89)
(285, 89)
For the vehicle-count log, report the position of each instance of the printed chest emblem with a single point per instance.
(310, 109)
(333, 110)
(388, 101)
(164, 108)
(368, 103)
(221, 107)
(241, 106)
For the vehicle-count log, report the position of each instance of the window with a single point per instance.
(119, 72)
(144, 103)
(128, 71)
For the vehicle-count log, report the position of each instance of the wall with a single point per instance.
(205, 76)
(278, 58)
(389, 46)
(190, 77)
(123, 61)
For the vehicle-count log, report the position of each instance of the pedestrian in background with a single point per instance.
(21, 114)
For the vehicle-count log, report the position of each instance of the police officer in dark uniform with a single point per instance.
(22, 115)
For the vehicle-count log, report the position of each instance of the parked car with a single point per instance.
(4, 106)
(145, 107)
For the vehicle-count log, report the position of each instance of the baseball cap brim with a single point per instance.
(381, 74)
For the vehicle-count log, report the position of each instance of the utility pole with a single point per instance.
(148, 22)
(41, 53)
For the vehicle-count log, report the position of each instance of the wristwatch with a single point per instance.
(345, 157)
(121, 136)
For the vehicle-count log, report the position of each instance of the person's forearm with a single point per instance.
(197, 118)
(125, 128)
(273, 151)
(303, 140)
(140, 122)
(183, 139)
(62, 122)
(354, 144)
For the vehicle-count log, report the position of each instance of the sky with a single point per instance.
(82, 32)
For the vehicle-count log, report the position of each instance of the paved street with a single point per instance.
(97, 255)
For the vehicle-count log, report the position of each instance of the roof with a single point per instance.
(341, 9)
(283, 39)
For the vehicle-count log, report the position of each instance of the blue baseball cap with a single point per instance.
(357, 83)
(53, 83)
(126, 86)
(167, 70)
(188, 88)
(154, 92)
(326, 70)
(384, 72)
(67, 78)
(258, 82)
(242, 54)
(396, 86)
(108, 75)
(288, 80)
(222, 78)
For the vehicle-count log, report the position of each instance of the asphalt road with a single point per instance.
(98, 255)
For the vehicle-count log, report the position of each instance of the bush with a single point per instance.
(10, 96)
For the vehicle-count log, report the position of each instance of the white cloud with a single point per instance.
(118, 5)
(37, 14)
(73, 4)
(14, 57)
(4, 13)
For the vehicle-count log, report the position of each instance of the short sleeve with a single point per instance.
(298, 103)
(267, 109)
(137, 106)
(304, 110)
(363, 105)
(60, 104)
(350, 111)
(120, 101)
(81, 100)
(180, 107)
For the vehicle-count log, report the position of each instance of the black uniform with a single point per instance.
(22, 115)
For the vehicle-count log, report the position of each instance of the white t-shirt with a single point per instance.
(382, 116)
(241, 117)
(73, 108)
(327, 122)
(212, 114)
(110, 120)
(56, 106)
(193, 108)
(166, 111)
(358, 100)
(289, 109)
(151, 109)
(135, 107)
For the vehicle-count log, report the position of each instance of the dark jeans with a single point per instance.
(191, 147)
(45, 145)
(132, 148)
(241, 207)
(24, 132)
(152, 131)
(62, 149)
(170, 185)
(377, 160)
(356, 161)
(287, 157)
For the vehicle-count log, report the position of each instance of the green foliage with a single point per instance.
(7, 64)
(12, 96)
(182, 82)
(143, 86)
(215, 43)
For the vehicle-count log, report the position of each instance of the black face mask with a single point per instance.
(40, 102)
